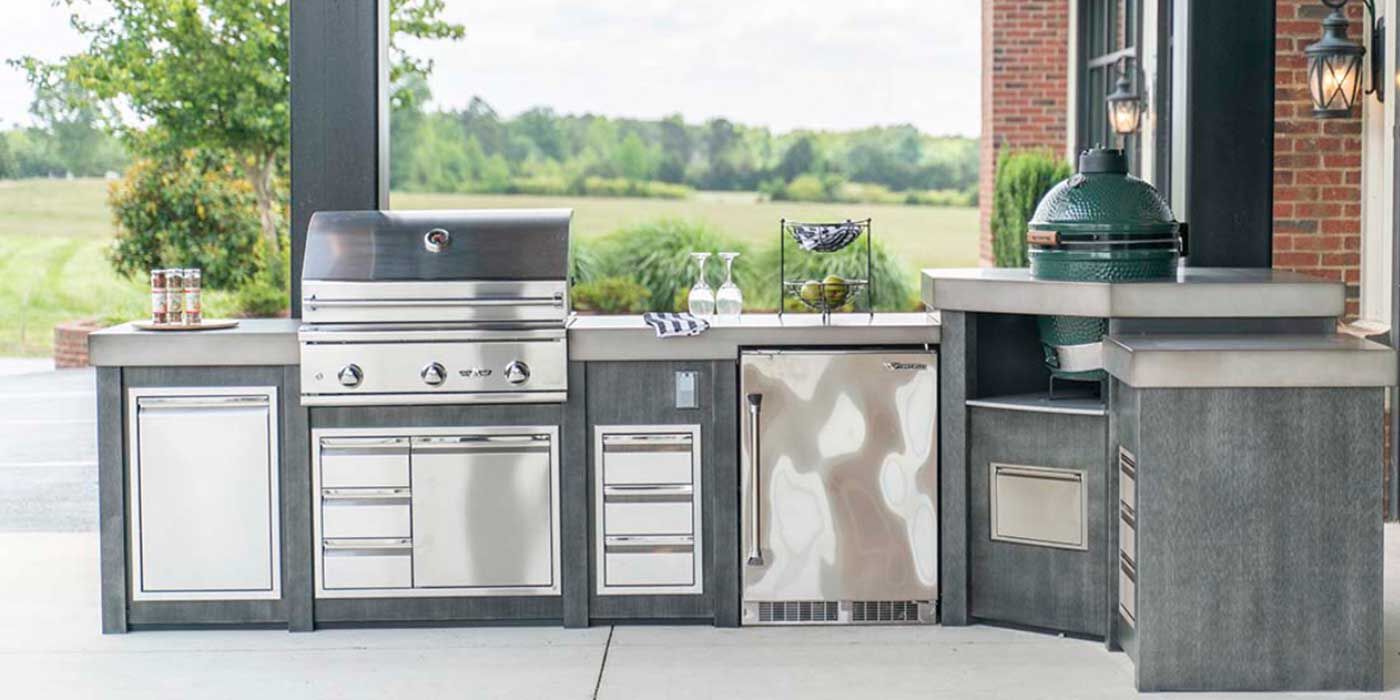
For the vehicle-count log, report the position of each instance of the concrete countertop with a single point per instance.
(273, 341)
(1200, 361)
(628, 338)
(253, 342)
(1195, 293)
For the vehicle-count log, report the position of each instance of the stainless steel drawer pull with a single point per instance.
(651, 544)
(478, 443)
(202, 402)
(647, 443)
(755, 554)
(314, 303)
(1045, 474)
(367, 548)
(357, 494)
(648, 493)
(369, 443)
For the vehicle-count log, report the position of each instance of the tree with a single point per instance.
(207, 74)
(799, 159)
(9, 169)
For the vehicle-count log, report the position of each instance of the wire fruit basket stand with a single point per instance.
(826, 295)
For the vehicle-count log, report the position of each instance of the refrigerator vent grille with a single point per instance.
(884, 611)
(799, 611)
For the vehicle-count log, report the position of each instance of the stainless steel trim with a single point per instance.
(683, 441)
(830, 613)
(314, 303)
(365, 443)
(1045, 514)
(434, 398)
(649, 543)
(164, 402)
(648, 493)
(417, 333)
(322, 290)
(755, 553)
(356, 496)
(398, 546)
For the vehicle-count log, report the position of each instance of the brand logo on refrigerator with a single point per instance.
(905, 366)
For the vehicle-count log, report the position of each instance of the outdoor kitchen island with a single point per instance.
(208, 430)
(1216, 513)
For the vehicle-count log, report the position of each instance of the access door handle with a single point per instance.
(755, 555)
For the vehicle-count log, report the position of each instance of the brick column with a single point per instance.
(1317, 162)
(1025, 89)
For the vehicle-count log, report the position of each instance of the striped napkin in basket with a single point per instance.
(670, 325)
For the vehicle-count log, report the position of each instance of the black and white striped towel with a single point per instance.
(675, 325)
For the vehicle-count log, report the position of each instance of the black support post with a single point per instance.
(1230, 143)
(340, 125)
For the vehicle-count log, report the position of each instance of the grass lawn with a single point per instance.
(54, 235)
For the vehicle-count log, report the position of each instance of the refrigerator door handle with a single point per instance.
(755, 555)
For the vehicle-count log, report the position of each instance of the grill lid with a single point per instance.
(1104, 199)
(440, 245)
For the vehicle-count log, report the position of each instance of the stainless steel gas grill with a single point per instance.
(410, 307)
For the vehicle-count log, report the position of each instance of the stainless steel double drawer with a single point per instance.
(647, 502)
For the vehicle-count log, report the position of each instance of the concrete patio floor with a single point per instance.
(50, 646)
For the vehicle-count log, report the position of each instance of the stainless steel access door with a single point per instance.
(839, 478)
(486, 511)
(204, 493)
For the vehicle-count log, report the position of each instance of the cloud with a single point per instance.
(782, 63)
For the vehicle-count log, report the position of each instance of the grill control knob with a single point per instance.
(350, 375)
(517, 372)
(434, 374)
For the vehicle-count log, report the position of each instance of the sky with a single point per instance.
(784, 64)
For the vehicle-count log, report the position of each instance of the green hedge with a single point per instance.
(1022, 178)
(655, 257)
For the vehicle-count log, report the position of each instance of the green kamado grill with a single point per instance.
(1100, 225)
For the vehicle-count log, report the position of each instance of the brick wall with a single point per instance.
(1317, 163)
(70, 343)
(1025, 83)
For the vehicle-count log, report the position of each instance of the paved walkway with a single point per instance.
(50, 647)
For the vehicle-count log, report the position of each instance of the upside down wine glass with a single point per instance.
(702, 298)
(729, 301)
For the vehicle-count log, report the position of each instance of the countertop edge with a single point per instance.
(1286, 365)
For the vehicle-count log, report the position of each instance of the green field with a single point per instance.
(54, 235)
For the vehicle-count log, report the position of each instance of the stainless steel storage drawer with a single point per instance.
(646, 562)
(364, 462)
(1039, 506)
(378, 513)
(1127, 479)
(648, 519)
(1127, 591)
(367, 564)
(1127, 536)
(654, 458)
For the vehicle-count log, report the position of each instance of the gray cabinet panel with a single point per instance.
(1259, 539)
(1055, 587)
(643, 393)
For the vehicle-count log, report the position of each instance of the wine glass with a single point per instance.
(702, 298)
(729, 301)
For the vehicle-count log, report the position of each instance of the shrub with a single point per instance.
(1022, 179)
(269, 291)
(191, 209)
(611, 295)
(809, 188)
(893, 288)
(656, 255)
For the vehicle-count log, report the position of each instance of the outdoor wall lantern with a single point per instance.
(1334, 63)
(1124, 104)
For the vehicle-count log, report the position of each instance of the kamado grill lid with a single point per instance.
(1102, 198)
